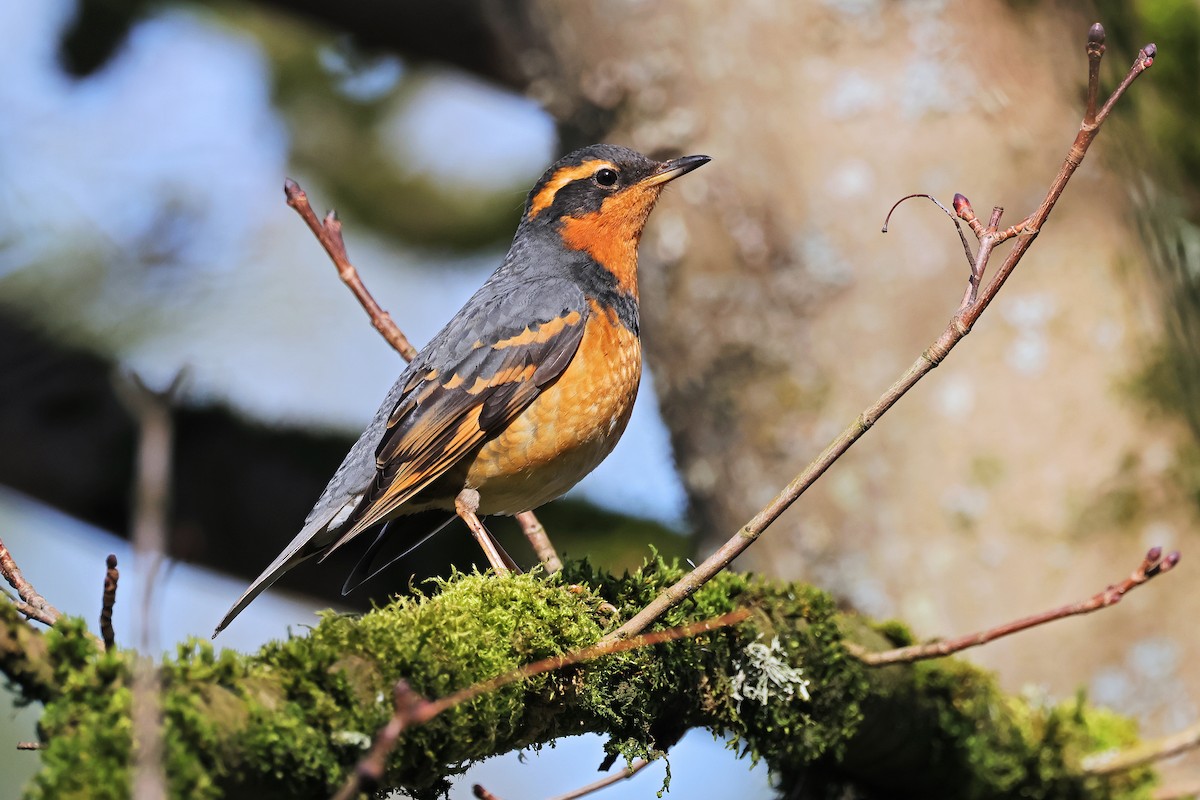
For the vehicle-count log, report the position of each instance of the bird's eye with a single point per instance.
(606, 177)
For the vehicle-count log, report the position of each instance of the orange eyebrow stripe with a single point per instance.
(560, 179)
(545, 332)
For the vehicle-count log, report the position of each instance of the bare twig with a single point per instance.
(1152, 565)
(152, 502)
(535, 532)
(369, 772)
(962, 236)
(329, 234)
(623, 774)
(960, 325)
(1144, 752)
(111, 576)
(411, 709)
(31, 604)
(31, 746)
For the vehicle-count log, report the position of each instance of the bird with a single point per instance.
(528, 387)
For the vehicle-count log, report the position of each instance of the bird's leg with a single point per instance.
(465, 505)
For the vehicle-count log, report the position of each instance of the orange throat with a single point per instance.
(611, 235)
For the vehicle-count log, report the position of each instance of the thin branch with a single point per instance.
(588, 654)
(411, 709)
(608, 780)
(31, 604)
(535, 532)
(329, 234)
(623, 774)
(1153, 565)
(31, 746)
(962, 236)
(108, 600)
(1144, 752)
(959, 326)
(152, 502)
(370, 770)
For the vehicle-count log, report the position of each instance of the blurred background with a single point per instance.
(143, 146)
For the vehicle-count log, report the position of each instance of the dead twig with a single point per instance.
(329, 234)
(623, 774)
(152, 500)
(959, 326)
(31, 604)
(407, 707)
(1153, 565)
(535, 532)
(411, 709)
(953, 217)
(109, 599)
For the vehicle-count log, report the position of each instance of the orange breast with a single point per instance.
(569, 428)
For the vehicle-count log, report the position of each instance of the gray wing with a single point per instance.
(491, 360)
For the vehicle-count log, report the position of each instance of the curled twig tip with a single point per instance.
(896, 205)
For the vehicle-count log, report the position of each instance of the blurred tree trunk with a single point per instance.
(1021, 474)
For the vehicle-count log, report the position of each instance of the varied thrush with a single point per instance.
(531, 383)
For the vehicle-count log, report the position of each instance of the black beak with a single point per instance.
(670, 170)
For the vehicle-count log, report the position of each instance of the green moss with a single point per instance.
(292, 719)
(993, 745)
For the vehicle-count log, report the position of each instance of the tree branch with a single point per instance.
(329, 234)
(31, 604)
(623, 774)
(1152, 565)
(411, 709)
(960, 325)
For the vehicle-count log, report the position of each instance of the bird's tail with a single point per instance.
(314, 539)
(431, 521)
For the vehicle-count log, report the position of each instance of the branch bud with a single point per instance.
(962, 207)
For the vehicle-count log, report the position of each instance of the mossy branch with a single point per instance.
(293, 719)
